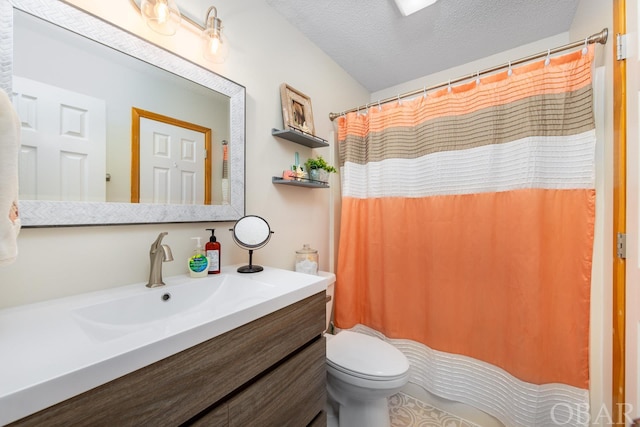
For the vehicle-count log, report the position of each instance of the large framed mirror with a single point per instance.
(64, 53)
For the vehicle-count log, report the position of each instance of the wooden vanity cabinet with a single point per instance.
(270, 372)
(285, 396)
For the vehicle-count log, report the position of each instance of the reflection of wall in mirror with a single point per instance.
(40, 54)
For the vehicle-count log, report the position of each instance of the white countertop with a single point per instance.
(47, 355)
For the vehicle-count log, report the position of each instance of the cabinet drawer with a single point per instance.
(217, 417)
(320, 420)
(293, 394)
(173, 390)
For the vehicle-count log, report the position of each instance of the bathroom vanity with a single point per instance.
(267, 371)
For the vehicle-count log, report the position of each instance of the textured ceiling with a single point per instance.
(380, 48)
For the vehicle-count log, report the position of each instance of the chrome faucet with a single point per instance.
(158, 254)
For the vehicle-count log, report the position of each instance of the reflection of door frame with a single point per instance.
(136, 115)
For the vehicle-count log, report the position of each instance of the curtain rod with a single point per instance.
(600, 37)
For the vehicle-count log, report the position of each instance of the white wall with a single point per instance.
(265, 52)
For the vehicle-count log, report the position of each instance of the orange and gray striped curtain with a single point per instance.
(467, 226)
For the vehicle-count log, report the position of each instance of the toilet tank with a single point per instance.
(330, 293)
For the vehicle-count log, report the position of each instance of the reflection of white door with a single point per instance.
(172, 163)
(63, 143)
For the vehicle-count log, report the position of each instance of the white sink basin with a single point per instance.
(207, 298)
(54, 350)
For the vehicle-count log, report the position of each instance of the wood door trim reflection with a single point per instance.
(136, 115)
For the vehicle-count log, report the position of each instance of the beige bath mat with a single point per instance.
(407, 411)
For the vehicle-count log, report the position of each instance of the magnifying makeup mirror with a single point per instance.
(251, 232)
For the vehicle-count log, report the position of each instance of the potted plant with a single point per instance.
(318, 169)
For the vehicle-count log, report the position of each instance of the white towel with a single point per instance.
(9, 152)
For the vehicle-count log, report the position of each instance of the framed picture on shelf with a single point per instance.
(296, 109)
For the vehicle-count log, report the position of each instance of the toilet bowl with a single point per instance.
(362, 372)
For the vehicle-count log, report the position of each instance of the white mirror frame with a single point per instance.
(35, 213)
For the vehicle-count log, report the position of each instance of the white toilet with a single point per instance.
(362, 372)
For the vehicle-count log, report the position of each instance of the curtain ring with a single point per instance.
(510, 69)
(379, 106)
(548, 60)
(586, 43)
(449, 86)
(477, 78)
(399, 100)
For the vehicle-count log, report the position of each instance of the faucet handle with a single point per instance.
(156, 244)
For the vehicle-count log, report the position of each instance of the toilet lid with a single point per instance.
(365, 356)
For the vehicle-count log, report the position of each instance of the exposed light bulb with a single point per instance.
(216, 46)
(162, 16)
(162, 11)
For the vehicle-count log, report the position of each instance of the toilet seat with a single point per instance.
(360, 375)
(366, 357)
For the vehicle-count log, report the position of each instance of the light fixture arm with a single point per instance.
(213, 22)
(207, 17)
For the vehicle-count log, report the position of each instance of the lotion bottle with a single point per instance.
(198, 263)
(213, 251)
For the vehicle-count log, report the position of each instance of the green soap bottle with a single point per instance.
(198, 263)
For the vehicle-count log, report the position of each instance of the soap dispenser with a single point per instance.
(198, 263)
(213, 251)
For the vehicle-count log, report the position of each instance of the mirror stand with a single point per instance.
(250, 268)
(251, 232)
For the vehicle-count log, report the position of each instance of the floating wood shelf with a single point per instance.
(301, 138)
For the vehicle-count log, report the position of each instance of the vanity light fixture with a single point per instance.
(216, 45)
(162, 16)
(407, 7)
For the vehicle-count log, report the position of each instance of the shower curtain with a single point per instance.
(466, 237)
